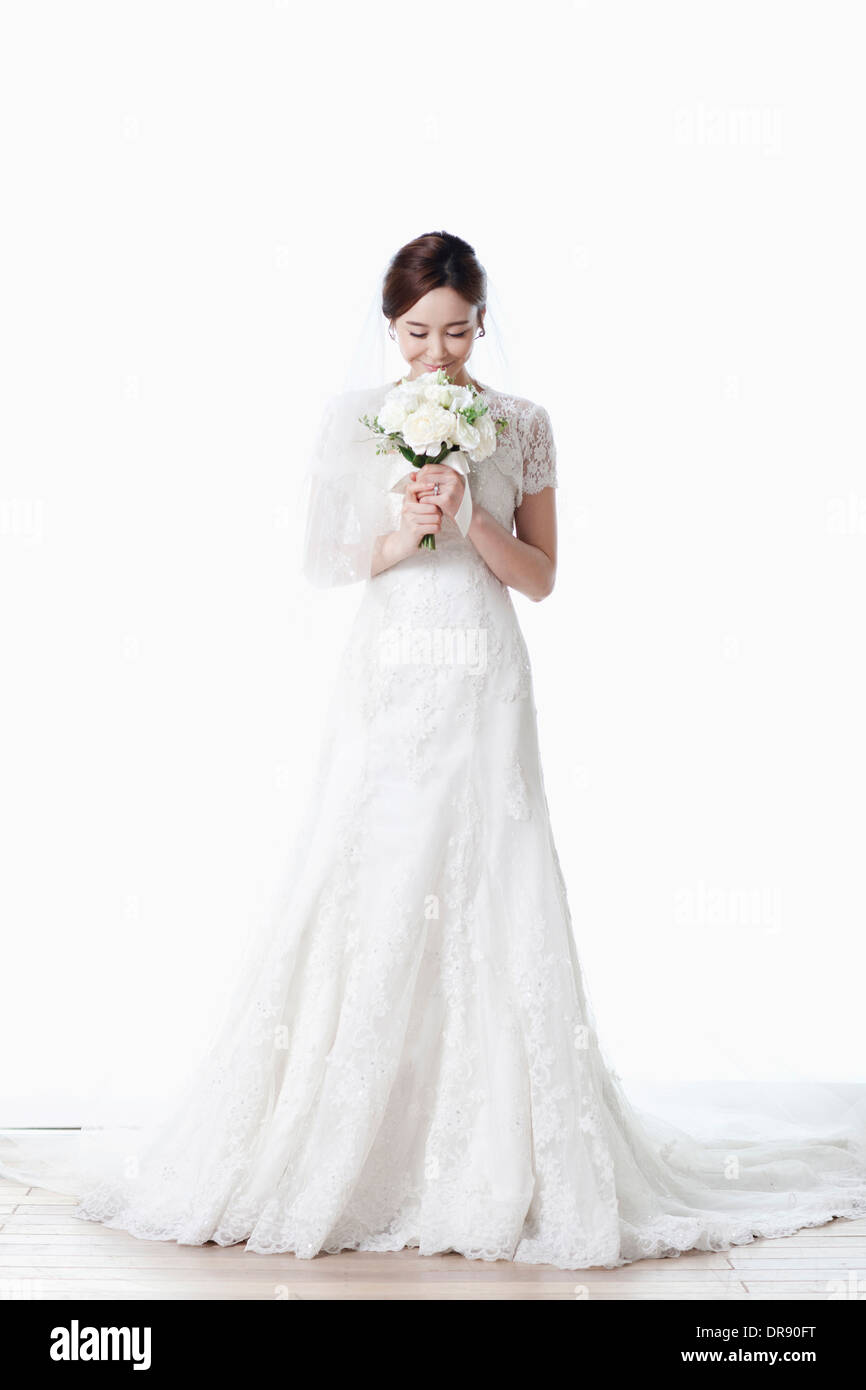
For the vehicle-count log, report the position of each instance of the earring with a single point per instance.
(481, 332)
(391, 334)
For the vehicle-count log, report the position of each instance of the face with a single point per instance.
(439, 331)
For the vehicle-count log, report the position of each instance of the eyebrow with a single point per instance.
(455, 323)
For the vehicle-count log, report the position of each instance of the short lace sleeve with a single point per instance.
(539, 451)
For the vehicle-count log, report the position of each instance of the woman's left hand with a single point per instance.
(450, 483)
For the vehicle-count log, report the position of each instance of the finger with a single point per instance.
(438, 470)
(425, 502)
(438, 483)
(428, 500)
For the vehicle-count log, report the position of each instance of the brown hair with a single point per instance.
(430, 261)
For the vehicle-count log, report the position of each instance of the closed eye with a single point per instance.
(450, 335)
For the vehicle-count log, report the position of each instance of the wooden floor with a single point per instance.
(45, 1252)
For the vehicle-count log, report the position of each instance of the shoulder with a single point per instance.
(532, 436)
(525, 413)
(529, 425)
(517, 405)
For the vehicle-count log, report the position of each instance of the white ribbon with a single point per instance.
(401, 468)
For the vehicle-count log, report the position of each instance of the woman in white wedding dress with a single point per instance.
(411, 1060)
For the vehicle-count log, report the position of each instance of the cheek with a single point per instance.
(409, 346)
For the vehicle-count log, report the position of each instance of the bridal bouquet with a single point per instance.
(426, 418)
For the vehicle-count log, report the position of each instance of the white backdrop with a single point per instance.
(198, 197)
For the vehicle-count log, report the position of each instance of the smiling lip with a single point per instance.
(431, 368)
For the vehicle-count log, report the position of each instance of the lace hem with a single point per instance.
(667, 1238)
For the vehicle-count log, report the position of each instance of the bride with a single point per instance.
(410, 1059)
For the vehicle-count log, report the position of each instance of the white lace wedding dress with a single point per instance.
(411, 1060)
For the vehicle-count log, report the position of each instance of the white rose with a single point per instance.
(461, 397)
(393, 413)
(427, 426)
(412, 394)
(437, 394)
(467, 435)
(407, 389)
(487, 437)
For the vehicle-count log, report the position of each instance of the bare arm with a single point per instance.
(525, 561)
